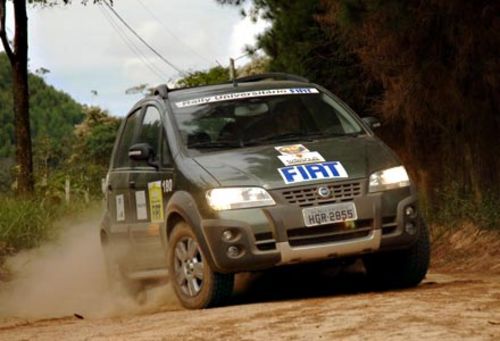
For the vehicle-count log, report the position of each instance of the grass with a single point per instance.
(25, 224)
(454, 209)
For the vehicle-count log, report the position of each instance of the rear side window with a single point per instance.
(127, 140)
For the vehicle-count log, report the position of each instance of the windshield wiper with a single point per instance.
(289, 137)
(285, 137)
(208, 145)
(352, 134)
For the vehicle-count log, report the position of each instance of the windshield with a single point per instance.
(258, 120)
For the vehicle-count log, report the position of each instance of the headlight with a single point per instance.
(390, 178)
(238, 197)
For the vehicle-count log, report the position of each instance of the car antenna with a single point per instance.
(232, 72)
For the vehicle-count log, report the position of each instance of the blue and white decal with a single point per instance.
(311, 172)
(246, 94)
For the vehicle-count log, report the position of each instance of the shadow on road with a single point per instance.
(295, 282)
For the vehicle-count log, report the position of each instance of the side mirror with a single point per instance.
(372, 122)
(143, 152)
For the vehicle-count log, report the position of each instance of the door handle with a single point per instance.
(131, 184)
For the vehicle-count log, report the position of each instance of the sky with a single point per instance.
(86, 48)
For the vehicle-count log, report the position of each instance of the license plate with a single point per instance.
(329, 214)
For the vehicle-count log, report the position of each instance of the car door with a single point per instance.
(151, 185)
(118, 195)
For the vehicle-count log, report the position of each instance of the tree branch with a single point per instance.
(3, 31)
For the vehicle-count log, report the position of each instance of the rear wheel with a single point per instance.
(402, 268)
(195, 283)
(117, 276)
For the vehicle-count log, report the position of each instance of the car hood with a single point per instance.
(258, 166)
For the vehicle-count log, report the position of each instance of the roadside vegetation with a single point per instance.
(26, 223)
(72, 144)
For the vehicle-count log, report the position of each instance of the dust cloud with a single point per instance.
(67, 277)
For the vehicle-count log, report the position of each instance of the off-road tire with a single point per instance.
(402, 268)
(215, 288)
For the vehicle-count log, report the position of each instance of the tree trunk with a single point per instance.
(18, 57)
(22, 132)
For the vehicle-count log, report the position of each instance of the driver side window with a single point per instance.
(127, 140)
(151, 128)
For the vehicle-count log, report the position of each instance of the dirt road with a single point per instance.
(444, 307)
(51, 284)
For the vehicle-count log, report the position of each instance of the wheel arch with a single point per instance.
(182, 207)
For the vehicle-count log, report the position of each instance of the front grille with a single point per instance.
(389, 225)
(329, 233)
(265, 241)
(308, 196)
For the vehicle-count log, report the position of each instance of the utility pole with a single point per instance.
(232, 71)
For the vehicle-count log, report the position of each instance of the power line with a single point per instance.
(165, 28)
(130, 44)
(142, 40)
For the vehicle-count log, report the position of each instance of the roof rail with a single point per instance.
(272, 75)
(162, 91)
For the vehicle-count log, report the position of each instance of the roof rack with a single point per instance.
(162, 91)
(272, 75)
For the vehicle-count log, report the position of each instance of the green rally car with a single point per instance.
(265, 171)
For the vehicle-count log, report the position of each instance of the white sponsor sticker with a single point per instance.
(167, 185)
(308, 157)
(120, 207)
(246, 94)
(140, 205)
(311, 172)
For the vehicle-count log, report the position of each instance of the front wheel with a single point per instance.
(402, 268)
(195, 283)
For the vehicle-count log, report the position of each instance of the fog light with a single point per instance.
(410, 228)
(409, 211)
(227, 235)
(233, 251)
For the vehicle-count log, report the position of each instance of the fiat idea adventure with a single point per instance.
(265, 171)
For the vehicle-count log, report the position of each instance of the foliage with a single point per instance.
(24, 223)
(297, 43)
(455, 209)
(53, 113)
(438, 64)
(16, 50)
(214, 75)
(255, 66)
(89, 159)
(53, 117)
(218, 74)
(68, 139)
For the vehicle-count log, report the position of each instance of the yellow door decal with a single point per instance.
(155, 201)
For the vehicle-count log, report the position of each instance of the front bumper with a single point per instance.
(276, 235)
